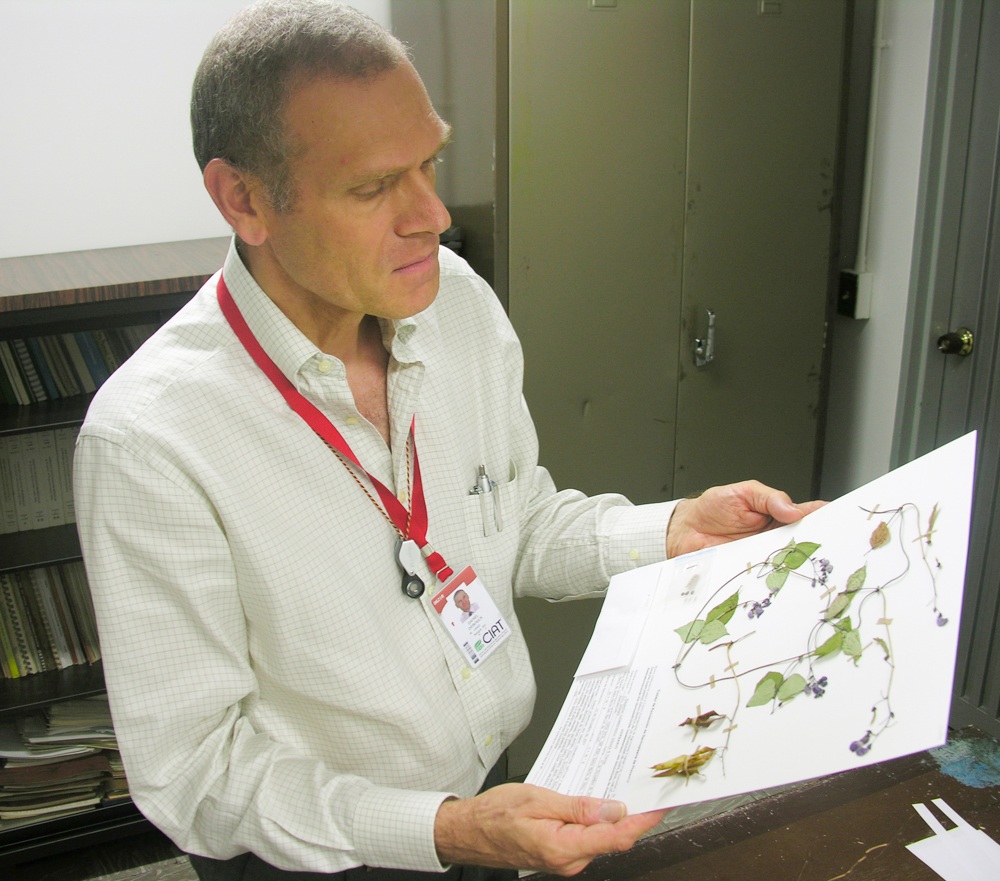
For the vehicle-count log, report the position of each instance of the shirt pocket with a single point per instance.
(492, 524)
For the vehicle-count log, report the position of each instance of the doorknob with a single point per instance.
(704, 348)
(956, 342)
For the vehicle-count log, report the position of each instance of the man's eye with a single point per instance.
(370, 191)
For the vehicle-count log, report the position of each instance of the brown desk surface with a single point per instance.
(849, 827)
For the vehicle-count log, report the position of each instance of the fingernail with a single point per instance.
(612, 812)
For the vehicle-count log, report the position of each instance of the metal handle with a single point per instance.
(956, 342)
(704, 349)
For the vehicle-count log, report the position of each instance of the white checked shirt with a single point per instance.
(273, 689)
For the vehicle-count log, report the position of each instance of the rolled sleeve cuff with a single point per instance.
(394, 828)
(637, 536)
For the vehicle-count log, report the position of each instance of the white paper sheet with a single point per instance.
(852, 614)
(962, 853)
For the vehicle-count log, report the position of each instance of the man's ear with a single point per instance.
(238, 197)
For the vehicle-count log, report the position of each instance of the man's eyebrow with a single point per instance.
(384, 174)
(446, 139)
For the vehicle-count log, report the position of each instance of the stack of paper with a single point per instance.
(59, 762)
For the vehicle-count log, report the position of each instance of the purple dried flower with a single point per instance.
(862, 746)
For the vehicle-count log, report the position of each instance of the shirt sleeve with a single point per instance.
(572, 544)
(178, 673)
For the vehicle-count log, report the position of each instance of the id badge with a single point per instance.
(470, 616)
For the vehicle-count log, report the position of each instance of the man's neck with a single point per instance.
(339, 332)
(355, 339)
(358, 345)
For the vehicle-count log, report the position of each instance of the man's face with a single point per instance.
(462, 600)
(362, 234)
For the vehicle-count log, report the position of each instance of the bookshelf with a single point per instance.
(86, 291)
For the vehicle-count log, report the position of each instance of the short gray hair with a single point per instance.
(249, 68)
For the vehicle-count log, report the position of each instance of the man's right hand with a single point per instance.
(526, 827)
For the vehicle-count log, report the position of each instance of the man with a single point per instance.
(311, 431)
(464, 602)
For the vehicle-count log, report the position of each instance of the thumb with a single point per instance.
(589, 811)
(781, 508)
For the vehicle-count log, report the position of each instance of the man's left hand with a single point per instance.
(727, 513)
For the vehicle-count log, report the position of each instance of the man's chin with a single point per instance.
(415, 300)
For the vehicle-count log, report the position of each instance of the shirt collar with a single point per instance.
(284, 343)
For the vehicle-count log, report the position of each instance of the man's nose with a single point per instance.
(424, 211)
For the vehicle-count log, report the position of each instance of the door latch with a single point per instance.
(704, 348)
(956, 342)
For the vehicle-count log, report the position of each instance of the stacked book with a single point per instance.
(61, 761)
(61, 365)
(36, 479)
(46, 620)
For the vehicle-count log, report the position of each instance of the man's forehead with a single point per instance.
(365, 125)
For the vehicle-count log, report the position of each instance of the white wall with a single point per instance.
(95, 144)
(867, 354)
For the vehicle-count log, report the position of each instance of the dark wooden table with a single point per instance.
(849, 827)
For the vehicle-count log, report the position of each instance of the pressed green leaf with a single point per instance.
(766, 689)
(690, 632)
(884, 645)
(832, 645)
(933, 519)
(776, 580)
(793, 685)
(712, 631)
(808, 547)
(857, 580)
(794, 558)
(852, 645)
(778, 560)
(839, 605)
(881, 536)
(844, 624)
(724, 611)
(800, 553)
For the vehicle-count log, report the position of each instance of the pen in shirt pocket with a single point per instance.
(489, 502)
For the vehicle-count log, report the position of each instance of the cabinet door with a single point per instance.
(762, 149)
(598, 107)
(598, 102)
(667, 158)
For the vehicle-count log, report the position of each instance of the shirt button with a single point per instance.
(489, 740)
(352, 420)
(324, 366)
(466, 673)
(633, 554)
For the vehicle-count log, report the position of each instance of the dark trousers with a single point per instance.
(248, 867)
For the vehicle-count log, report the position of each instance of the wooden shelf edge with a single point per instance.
(46, 280)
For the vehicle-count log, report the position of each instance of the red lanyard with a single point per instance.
(412, 524)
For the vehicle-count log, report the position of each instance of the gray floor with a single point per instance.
(176, 869)
(146, 855)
